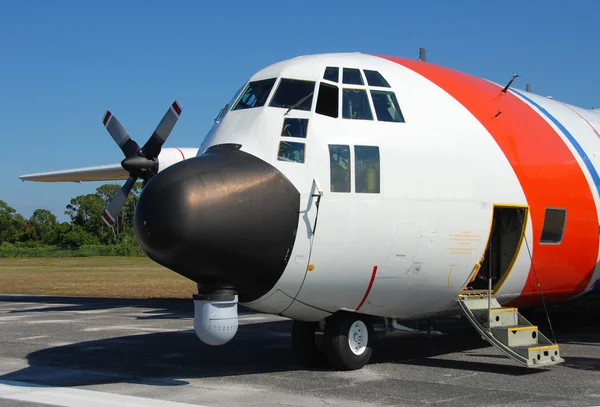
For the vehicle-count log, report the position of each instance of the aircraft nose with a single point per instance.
(225, 217)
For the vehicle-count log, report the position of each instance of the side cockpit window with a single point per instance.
(386, 106)
(255, 95)
(293, 94)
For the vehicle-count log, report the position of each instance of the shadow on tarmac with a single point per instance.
(258, 348)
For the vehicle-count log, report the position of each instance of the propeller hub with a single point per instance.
(139, 166)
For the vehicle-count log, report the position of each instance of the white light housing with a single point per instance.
(216, 322)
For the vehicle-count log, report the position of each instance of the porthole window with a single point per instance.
(554, 226)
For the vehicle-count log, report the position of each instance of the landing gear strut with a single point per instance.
(345, 343)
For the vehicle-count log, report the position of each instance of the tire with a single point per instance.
(304, 344)
(345, 343)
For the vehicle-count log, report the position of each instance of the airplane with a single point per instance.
(354, 193)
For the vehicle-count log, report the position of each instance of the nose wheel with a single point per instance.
(348, 339)
(345, 342)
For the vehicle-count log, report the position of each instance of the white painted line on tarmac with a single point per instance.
(68, 397)
(33, 337)
(129, 328)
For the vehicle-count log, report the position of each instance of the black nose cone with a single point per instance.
(226, 217)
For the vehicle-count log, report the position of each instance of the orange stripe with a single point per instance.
(547, 171)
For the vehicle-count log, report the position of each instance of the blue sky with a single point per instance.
(63, 63)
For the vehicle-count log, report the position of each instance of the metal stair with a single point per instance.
(509, 331)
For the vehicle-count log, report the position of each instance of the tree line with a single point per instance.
(85, 227)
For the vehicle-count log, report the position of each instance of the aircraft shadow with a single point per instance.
(258, 348)
(167, 358)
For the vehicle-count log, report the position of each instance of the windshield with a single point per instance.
(293, 93)
(256, 94)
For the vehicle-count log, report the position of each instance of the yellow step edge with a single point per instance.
(503, 310)
(543, 347)
(523, 328)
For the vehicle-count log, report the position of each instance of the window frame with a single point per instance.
(564, 226)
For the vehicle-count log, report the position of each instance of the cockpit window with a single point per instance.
(352, 77)
(327, 102)
(291, 151)
(293, 93)
(293, 127)
(332, 74)
(356, 105)
(374, 78)
(386, 106)
(256, 94)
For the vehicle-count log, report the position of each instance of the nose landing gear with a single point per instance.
(345, 342)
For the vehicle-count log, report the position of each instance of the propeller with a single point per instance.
(139, 163)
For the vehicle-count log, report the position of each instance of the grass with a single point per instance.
(106, 277)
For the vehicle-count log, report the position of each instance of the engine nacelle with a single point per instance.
(172, 155)
(215, 320)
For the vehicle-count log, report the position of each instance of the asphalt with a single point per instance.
(147, 349)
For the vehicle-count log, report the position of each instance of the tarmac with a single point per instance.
(68, 351)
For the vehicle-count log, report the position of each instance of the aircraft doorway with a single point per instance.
(506, 236)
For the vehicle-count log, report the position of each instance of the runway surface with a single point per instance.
(96, 352)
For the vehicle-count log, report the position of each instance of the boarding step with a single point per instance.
(510, 332)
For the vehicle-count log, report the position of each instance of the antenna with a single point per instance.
(422, 55)
(515, 76)
(528, 87)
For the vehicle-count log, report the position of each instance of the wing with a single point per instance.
(109, 172)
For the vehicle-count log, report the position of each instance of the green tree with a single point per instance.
(12, 224)
(43, 227)
(86, 211)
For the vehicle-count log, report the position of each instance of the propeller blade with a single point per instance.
(112, 211)
(129, 147)
(152, 147)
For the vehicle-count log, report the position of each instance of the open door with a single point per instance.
(507, 232)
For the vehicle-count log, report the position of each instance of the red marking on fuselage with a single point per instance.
(368, 288)
(181, 152)
(548, 173)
